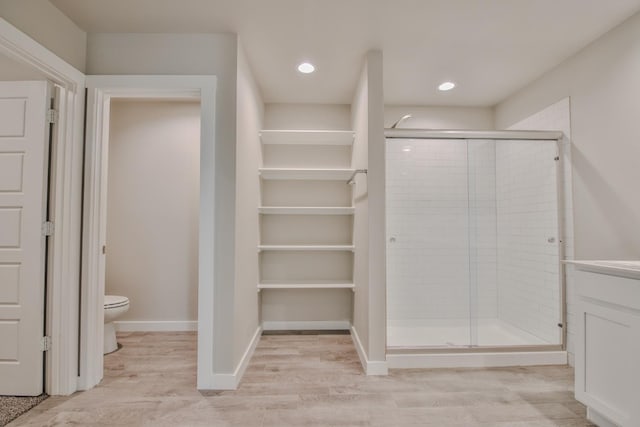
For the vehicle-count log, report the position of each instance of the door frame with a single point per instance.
(62, 304)
(100, 91)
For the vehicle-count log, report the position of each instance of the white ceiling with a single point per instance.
(490, 48)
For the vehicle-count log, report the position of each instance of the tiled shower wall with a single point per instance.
(429, 229)
(527, 230)
(558, 117)
(481, 179)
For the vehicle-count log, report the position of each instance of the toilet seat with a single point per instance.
(114, 307)
(115, 301)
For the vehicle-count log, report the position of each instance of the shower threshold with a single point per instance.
(474, 357)
(447, 344)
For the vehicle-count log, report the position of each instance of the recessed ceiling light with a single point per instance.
(446, 86)
(306, 68)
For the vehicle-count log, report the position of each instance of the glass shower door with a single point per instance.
(517, 285)
(428, 292)
(473, 244)
(482, 237)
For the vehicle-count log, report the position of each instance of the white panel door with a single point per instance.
(24, 145)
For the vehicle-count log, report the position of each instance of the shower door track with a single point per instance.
(528, 135)
(476, 349)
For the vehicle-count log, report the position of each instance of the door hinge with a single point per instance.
(47, 228)
(52, 116)
(45, 343)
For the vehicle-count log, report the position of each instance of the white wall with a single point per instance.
(432, 117)
(369, 270)
(360, 160)
(376, 179)
(308, 116)
(152, 208)
(44, 23)
(250, 112)
(602, 81)
(188, 54)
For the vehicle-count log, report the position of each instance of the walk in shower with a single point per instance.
(474, 240)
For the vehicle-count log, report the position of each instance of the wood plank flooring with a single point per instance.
(307, 380)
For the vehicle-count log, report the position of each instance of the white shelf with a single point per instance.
(307, 137)
(306, 174)
(318, 161)
(306, 284)
(305, 210)
(306, 248)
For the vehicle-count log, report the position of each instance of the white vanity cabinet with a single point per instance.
(607, 352)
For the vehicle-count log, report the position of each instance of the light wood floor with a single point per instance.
(307, 381)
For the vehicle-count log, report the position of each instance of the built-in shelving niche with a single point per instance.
(306, 212)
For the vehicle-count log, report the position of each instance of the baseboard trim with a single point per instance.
(317, 325)
(246, 357)
(476, 360)
(232, 381)
(223, 382)
(598, 419)
(156, 326)
(370, 367)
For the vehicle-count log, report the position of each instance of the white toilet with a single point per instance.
(114, 307)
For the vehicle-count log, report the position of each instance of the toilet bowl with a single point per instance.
(114, 307)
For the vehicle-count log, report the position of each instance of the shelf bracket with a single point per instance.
(352, 180)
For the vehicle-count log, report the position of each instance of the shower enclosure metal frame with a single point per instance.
(513, 135)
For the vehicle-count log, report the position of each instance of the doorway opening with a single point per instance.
(153, 183)
(129, 206)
